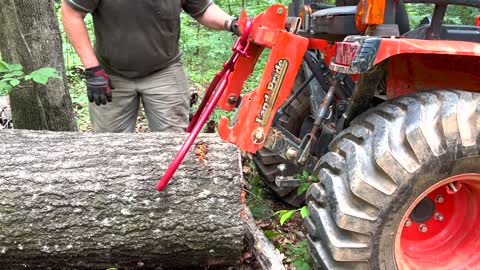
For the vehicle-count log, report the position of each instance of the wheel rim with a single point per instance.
(441, 229)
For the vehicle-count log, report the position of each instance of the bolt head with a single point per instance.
(232, 99)
(423, 228)
(439, 199)
(281, 167)
(341, 107)
(258, 136)
(291, 153)
(439, 216)
(408, 223)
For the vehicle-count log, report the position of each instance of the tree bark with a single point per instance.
(80, 200)
(265, 252)
(29, 35)
(5, 113)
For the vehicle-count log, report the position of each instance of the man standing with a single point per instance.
(137, 52)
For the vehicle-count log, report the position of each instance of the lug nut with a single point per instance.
(439, 216)
(408, 223)
(439, 199)
(423, 228)
(291, 153)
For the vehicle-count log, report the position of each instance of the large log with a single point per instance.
(77, 200)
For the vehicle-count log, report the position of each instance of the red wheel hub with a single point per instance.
(441, 229)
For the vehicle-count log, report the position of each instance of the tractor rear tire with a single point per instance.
(267, 162)
(386, 197)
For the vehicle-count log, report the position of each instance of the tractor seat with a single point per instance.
(335, 23)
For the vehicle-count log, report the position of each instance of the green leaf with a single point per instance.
(17, 73)
(13, 74)
(285, 217)
(42, 75)
(49, 72)
(14, 82)
(16, 67)
(305, 174)
(5, 88)
(303, 187)
(304, 211)
(301, 265)
(271, 234)
(28, 77)
(313, 178)
(4, 66)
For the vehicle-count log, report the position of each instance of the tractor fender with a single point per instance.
(370, 51)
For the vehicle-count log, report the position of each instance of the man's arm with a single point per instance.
(214, 18)
(74, 25)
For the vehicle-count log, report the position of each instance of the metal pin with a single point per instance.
(452, 187)
(408, 223)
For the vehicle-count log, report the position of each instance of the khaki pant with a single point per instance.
(165, 97)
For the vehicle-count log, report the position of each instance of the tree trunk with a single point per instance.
(29, 35)
(81, 200)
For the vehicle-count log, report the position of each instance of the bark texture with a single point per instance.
(77, 200)
(5, 113)
(29, 35)
(265, 252)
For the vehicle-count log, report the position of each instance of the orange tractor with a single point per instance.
(386, 116)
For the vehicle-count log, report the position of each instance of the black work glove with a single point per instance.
(234, 27)
(99, 85)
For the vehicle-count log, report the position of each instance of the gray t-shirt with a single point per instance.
(135, 38)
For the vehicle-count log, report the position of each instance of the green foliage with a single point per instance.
(286, 215)
(307, 181)
(298, 255)
(12, 75)
(304, 211)
(79, 99)
(255, 200)
(271, 234)
(454, 15)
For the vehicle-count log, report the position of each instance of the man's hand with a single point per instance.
(99, 85)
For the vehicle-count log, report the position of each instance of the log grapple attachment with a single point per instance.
(257, 107)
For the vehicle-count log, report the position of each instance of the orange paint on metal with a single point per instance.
(242, 70)
(409, 73)
(393, 46)
(324, 46)
(260, 105)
